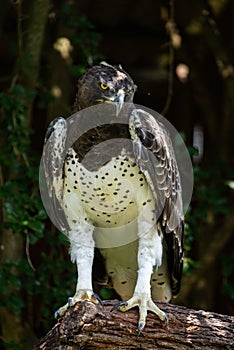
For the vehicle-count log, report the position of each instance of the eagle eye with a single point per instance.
(104, 86)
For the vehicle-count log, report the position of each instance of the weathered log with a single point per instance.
(89, 326)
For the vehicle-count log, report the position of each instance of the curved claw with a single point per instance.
(97, 297)
(117, 306)
(141, 326)
(69, 302)
(166, 320)
(61, 311)
(56, 314)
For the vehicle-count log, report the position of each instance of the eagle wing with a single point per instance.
(155, 156)
(51, 172)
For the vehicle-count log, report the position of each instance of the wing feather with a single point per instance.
(154, 151)
(54, 153)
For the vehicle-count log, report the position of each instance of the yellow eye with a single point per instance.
(103, 86)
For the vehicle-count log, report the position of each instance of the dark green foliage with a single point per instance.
(84, 36)
(12, 345)
(211, 206)
(212, 190)
(13, 124)
(22, 205)
(228, 275)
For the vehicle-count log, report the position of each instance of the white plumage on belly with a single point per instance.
(109, 197)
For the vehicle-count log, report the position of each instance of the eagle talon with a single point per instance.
(166, 320)
(97, 297)
(117, 306)
(69, 302)
(144, 303)
(141, 326)
(56, 314)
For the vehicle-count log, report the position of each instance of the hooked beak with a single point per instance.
(119, 101)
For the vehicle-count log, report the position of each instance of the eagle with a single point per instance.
(112, 185)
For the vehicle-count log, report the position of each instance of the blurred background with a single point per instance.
(180, 55)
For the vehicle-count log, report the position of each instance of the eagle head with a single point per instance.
(104, 83)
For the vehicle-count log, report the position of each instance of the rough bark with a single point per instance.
(89, 326)
(34, 36)
(32, 46)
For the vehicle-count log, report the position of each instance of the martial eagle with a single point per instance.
(114, 188)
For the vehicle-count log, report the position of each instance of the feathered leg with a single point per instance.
(82, 252)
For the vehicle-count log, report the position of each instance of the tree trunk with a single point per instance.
(89, 326)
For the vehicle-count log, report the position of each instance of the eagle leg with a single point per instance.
(82, 252)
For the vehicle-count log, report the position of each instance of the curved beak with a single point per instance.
(119, 101)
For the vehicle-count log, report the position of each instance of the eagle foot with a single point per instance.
(144, 303)
(81, 295)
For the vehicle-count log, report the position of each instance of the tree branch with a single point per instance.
(89, 326)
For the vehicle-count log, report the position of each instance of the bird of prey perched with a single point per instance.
(116, 176)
